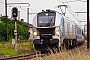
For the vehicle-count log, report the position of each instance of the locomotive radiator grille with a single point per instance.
(45, 38)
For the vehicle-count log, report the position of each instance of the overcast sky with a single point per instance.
(39, 5)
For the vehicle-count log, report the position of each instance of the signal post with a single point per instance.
(14, 15)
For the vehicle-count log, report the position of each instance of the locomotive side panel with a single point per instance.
(58, 19)
(66, 29)
(73, 30)
(79, 35)
(35, 21)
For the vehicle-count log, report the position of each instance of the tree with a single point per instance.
(21, 27)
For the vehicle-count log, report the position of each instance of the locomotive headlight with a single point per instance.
(35, 33)
(57, 32)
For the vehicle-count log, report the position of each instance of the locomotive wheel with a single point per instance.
(66, 44)
(36, 46)
(74, 42)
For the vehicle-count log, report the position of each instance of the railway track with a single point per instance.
(23, 57)
(19, 57)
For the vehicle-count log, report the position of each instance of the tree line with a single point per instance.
(22, 29)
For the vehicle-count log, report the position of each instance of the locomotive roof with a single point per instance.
(47, 11)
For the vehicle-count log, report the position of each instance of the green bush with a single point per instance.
(22, 29)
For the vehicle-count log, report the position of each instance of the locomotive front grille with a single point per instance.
(46, 36)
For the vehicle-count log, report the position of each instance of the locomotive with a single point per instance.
(52, 29)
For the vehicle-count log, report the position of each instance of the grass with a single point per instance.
(8, 51)
(25, 46)
(7, 48)
(67, 55)
(75, 54)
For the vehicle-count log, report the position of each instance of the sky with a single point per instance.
(39, 5)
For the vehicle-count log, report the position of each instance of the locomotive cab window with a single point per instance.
(46, 19)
